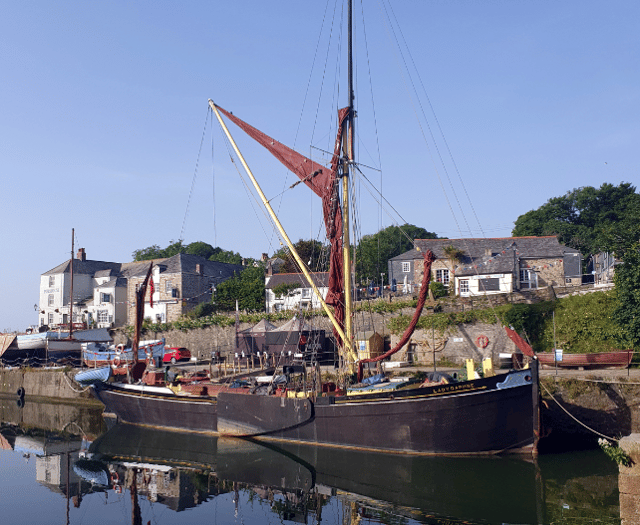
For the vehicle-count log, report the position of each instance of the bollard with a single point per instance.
(629, 481)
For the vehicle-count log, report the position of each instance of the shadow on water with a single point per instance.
(304, 484)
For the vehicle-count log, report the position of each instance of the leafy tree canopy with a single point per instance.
(313, 253)
(373, 251)
(199, 248)
(627, 290)
(247, 287)
(587, 219)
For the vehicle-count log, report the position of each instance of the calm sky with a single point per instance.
(104, 125)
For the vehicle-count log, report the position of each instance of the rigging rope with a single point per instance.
(575, 418)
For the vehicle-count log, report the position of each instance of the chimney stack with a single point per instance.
(82, 256)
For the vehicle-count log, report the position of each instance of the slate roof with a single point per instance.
(320, 279)
(503, 262)
(117, 282)
(526, 247)
(84, 267)
(181, 263)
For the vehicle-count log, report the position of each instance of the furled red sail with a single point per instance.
(524, 347)
(323, 182)
(428, 258)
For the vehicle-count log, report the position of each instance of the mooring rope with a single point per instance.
(576, 419)
(72, 387)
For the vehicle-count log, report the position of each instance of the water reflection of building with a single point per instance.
(178, 489)
(183, 488)
(54, 458)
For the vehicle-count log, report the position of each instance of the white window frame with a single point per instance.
(442, 276)
(51, 300)
(528, 279)
(52, 281)
(102, 316)
(105, 297)
(464, 286)
(406, 267)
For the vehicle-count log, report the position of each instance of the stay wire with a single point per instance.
(404, 72)
(193, 180)
(444, 139)
(253, 199)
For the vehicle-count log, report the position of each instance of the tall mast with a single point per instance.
(348, 156)
(71, 289)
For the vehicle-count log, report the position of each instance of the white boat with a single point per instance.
(71, 344)
(95, 354)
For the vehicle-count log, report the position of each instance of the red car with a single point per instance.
(174, 354)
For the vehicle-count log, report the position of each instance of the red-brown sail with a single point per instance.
(323, 182)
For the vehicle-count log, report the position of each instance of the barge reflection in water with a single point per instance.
(141, 475)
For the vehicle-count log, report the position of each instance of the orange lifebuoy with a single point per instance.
(117, 489)
(114, 477)
(482, 341)
(116, 362)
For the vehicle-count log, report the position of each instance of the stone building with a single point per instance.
(104, 292)
(489, 266)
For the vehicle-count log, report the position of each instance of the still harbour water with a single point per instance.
(64, 464)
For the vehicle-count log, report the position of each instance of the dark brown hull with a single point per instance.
(485, 416)
(190, 413)
(617, 359)
(474, 417)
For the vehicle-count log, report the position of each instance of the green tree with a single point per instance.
(374, 251)
(247, 287)
(227, 256)
(201, 249)
(585, 218)
(146, 254)
(312, 252)
(627, 281)
(155, 252)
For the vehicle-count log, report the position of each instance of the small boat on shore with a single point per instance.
(93, 375)
(615, 359)
(96, 355)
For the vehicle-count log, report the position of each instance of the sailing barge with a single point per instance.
(439, 415)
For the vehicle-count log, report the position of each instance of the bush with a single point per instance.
(438, 289)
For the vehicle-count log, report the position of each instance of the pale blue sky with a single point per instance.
(103, 104)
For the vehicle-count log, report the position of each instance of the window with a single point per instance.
(105, 297)
(306, 293)
(442, 276)
(52, 281)
(528, 279)
(168, 287)
(406, 267)
(490, 285)
(50, 318)
(464, 285)
(103, 316)
(50, 300)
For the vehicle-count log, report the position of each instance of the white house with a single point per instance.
(104, 292)
(299, 293)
